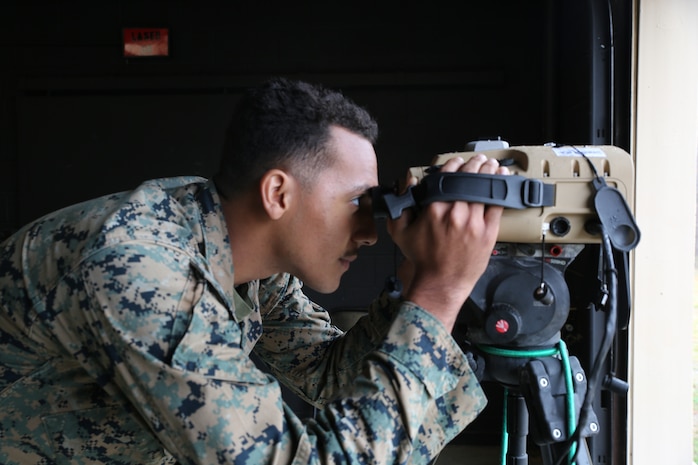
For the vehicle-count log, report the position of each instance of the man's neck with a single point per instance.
(251, 239)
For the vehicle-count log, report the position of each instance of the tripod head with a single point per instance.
(521, 302)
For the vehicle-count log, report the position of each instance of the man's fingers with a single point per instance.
(480, 164)
(502, 170)
(452, 164)
(476, 164)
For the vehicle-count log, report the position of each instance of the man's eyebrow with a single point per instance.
(360, 189)
(364, 189)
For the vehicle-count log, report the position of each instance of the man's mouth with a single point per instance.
(347, 259)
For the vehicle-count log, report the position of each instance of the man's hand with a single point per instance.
(447, 246)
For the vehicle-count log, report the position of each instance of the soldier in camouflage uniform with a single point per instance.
(127, 322)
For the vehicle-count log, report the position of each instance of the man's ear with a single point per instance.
(277, 189)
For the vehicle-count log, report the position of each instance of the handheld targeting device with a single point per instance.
(563, 189)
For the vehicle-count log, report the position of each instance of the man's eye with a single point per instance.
(362, 202)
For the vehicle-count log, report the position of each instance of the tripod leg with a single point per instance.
(517, 429)
(551, 454)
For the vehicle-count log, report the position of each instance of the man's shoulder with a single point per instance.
(173, 182)
(167, 208)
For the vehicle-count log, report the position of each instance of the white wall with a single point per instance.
(665, 146)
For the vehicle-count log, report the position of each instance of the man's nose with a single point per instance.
(366, 233)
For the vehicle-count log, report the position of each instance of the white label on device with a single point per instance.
(575, 151)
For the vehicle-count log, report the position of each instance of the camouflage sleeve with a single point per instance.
(302, 347)
(415, 391)
(304, 350)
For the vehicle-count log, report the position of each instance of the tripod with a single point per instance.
(513, 318)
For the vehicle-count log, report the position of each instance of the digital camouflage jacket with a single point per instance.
(124, 341)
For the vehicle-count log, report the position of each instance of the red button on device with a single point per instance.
(502, 326)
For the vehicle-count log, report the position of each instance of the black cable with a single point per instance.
(595, 378)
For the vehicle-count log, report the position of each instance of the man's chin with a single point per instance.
(325, 287)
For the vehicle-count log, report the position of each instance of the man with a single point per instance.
(127, 322)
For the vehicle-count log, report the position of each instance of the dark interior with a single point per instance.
(78, 119)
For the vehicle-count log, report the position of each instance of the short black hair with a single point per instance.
(285, 124)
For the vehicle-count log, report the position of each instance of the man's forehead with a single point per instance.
(354, 161)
